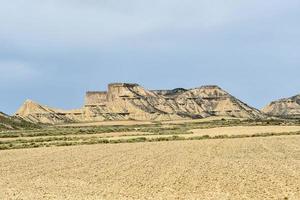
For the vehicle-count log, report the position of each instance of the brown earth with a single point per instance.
(249, 168)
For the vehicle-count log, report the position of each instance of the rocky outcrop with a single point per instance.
(287, 107)
(125, 101)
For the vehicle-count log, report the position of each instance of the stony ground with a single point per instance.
(241, 168)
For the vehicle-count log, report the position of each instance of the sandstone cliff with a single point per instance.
(287, 107)
(125, 101)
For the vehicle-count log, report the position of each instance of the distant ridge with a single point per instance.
(126, 101)
(287, 107)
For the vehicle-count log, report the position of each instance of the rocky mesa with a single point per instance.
(125, 101)
(286, 108)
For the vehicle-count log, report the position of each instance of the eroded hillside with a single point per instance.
(287, 107)
(125, 101)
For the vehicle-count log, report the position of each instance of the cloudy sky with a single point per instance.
(52, 51)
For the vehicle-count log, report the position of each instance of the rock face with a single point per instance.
(36, 113)
(287, 108)
(125, 101)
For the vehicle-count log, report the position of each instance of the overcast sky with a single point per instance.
(52, 51)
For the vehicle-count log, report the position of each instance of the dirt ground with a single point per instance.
(248, 168)
(244, 130)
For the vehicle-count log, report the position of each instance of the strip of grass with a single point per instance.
(94, 130)
(66, 141)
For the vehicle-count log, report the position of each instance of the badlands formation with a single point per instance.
(287, 107)
(125, 101)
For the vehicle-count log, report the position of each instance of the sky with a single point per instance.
(53, 51)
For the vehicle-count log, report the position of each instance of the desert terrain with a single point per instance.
(149, 100)
(248, 168)
(220, 158)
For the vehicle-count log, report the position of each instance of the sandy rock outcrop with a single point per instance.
(287, 107)
(124, 101)
(36, 113)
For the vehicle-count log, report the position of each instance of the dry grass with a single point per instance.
(137, 122)
(195, 130)
(99, 135)
(108, 123)
(207, 119)
(248, 168)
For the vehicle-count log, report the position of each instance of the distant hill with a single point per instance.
(35, 113)
(287, 107)
(13, 123)
(125, 101)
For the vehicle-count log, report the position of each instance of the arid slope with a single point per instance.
(288, 107)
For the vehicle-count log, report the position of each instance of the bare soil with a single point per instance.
(244, 130)
(248, 168)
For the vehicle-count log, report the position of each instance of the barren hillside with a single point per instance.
(288, 107)
(125, 101)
